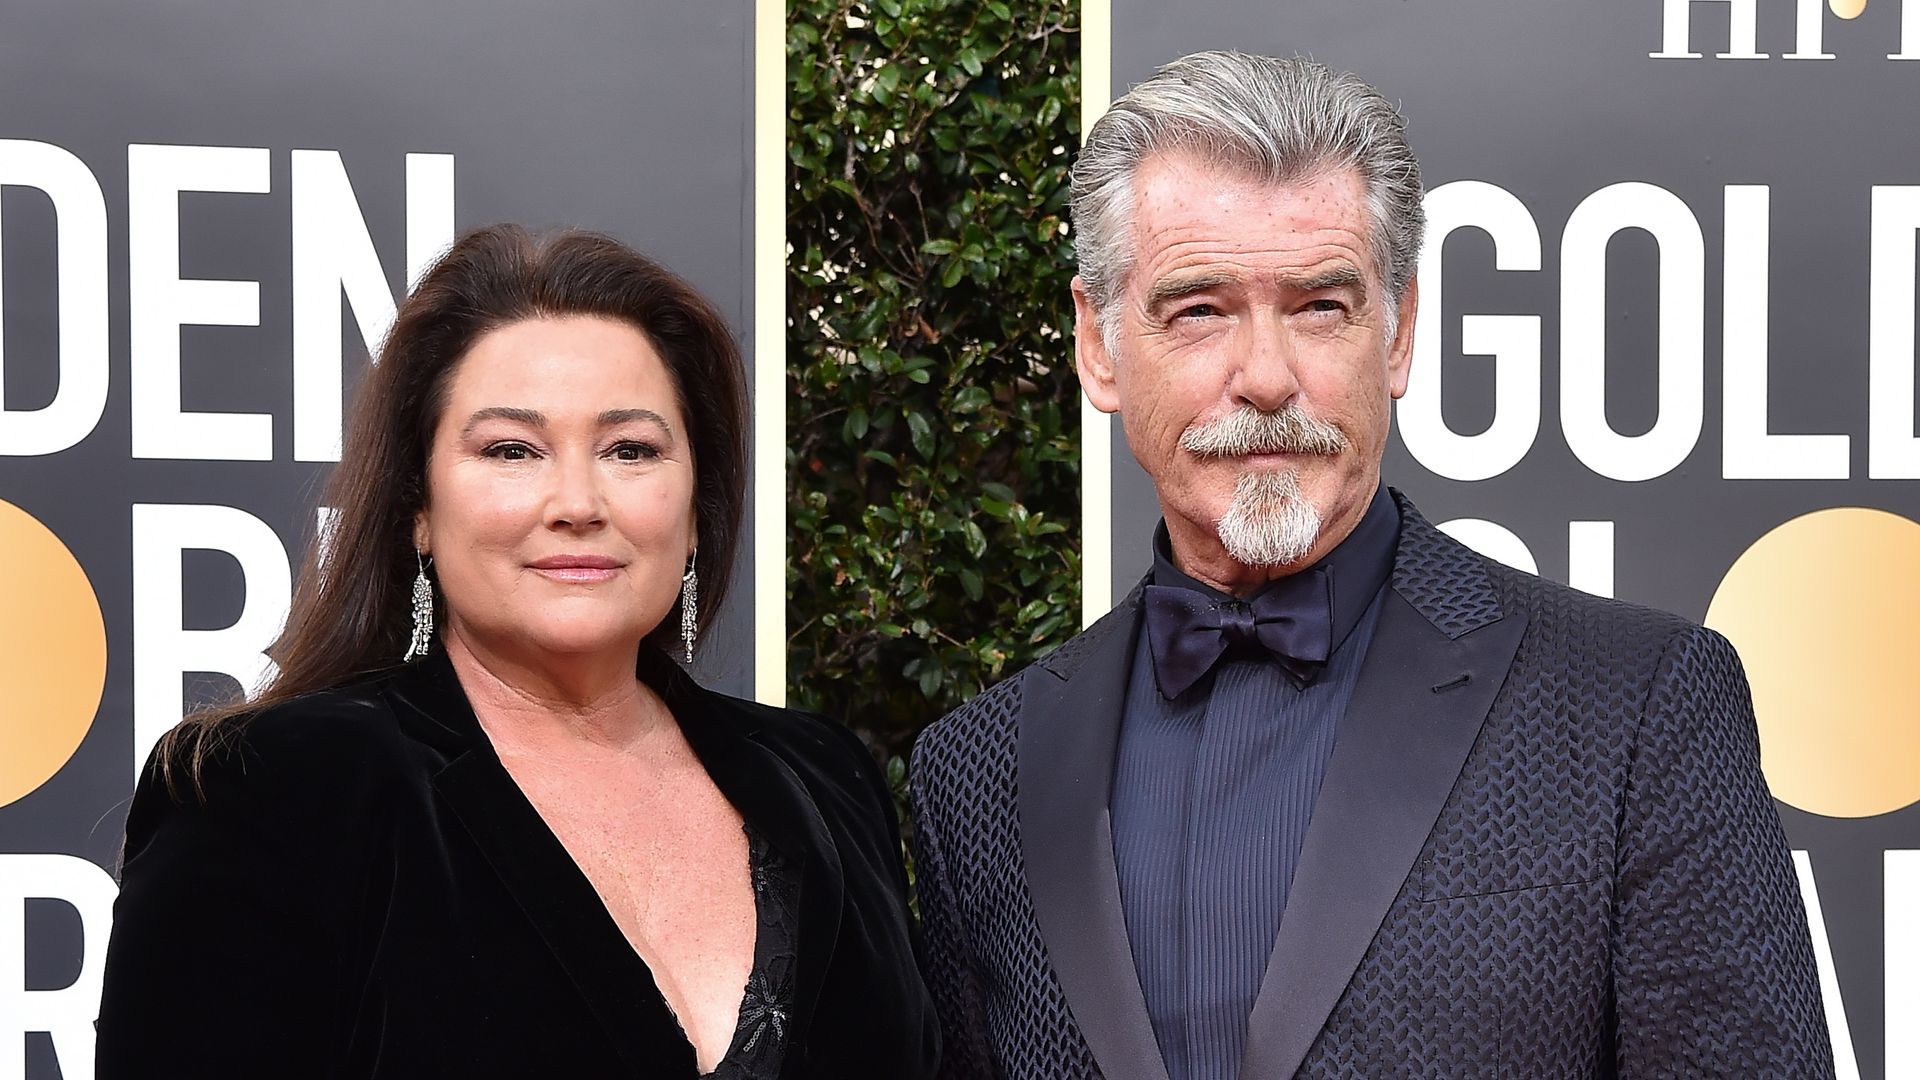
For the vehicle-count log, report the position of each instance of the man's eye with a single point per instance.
(1198, 311)
(1324, 304)
(509, 451)
(635, 451)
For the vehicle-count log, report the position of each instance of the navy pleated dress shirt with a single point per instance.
(1212, 793)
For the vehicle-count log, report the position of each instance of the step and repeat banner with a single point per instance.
(207, 214)
(1666, 353)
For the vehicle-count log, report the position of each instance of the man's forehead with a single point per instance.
(1190, 176)
(1187, 211)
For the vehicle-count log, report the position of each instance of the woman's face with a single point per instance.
(559, 490)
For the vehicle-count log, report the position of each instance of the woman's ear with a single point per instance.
(422, 534)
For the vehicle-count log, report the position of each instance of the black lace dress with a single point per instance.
(760, 1039)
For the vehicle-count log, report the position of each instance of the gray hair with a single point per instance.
(1282, 120)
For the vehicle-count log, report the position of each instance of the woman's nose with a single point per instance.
(576, 500)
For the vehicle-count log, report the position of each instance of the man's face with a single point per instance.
(1248, 298)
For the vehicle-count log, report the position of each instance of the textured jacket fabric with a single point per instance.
(363, 891)
(1543, 849)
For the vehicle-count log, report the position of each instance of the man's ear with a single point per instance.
(1090, 356)
(1400, 353)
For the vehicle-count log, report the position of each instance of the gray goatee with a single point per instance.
(1268, 524)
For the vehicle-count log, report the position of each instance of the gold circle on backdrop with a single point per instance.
(1847, 9)
(1825, 611)
(53, 654)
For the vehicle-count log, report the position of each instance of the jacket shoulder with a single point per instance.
(1574, 616)
(334, 747)
(803, 739)
(986, 723)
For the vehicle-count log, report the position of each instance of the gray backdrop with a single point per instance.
(632, 119)
(1553, 102)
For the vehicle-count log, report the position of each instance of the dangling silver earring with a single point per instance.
(689, 600)
(422, 613)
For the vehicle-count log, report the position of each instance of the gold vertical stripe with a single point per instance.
(1096, 427)
(769, 352)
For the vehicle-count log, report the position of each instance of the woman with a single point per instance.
(507, 855)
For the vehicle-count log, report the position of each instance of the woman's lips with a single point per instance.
(576, 569)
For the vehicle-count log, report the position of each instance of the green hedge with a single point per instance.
(933, 455)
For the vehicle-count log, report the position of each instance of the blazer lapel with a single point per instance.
(1069, 727)
(614, 983)
(1439, 655)
(775, 802)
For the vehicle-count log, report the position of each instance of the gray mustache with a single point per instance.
(1251, 431)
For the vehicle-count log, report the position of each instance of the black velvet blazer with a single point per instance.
(365, 892)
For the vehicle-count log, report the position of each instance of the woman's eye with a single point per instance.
(635, 451)
(509, 451)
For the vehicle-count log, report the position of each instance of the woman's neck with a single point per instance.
(546, 702)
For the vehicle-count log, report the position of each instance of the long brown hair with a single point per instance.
(350, 615)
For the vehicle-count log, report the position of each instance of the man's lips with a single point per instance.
(576, 568)
(1263, 456)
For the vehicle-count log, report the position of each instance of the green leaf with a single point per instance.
(976, 539)
(922, 433)
(971, 399)
(971, 583)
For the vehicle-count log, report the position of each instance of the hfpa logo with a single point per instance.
(1809, 23)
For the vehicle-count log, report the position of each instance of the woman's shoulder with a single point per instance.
(336, 746)
(806, 739)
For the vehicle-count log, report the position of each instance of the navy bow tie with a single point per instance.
(1188, 631)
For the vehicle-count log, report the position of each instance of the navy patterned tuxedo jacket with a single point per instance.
(1543, 848)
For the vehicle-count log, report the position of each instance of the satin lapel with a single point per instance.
(1069, 727)
(1416, 711)
(614, 983)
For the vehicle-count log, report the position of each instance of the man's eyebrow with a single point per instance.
(1174, 286)
(529, 417)
(1340, 277)
(627, 416)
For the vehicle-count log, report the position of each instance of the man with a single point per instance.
(1331, 795)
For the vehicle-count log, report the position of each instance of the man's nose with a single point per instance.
(1266, 377)
(575, 500)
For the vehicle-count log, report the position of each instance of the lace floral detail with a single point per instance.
(760, 1038)
(764, 1012)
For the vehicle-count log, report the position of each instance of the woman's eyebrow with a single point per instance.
(624, 416)
(529, 417)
